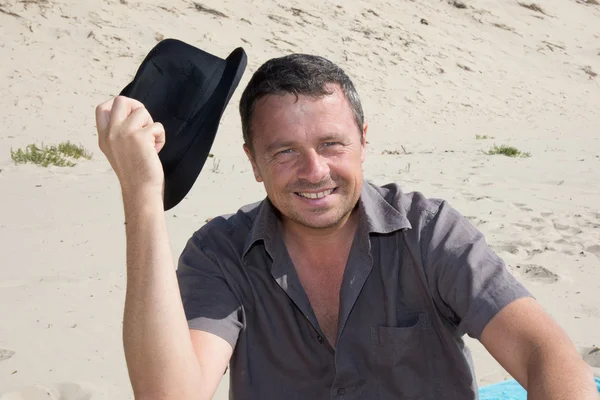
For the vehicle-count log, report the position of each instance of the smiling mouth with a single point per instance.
(318, 195)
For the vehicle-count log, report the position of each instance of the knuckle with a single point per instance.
(105, 105)
(101, 108)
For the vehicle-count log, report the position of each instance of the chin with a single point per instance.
(317, 222)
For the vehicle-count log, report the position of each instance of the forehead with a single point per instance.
(289, 116)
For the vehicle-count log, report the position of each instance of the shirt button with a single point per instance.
(341, 391)
(320, 339)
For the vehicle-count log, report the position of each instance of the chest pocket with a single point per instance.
(402, 359)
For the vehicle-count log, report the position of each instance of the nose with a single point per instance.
(313, 168)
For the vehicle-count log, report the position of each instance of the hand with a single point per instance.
(131, 140)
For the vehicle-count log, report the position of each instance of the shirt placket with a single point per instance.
(358, 269)
(285, 275)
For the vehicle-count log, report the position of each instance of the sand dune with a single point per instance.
(441, 84)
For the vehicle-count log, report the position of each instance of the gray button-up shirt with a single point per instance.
(419, 276)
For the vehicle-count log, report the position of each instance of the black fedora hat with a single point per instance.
(187, 90)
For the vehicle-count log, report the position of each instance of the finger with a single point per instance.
(103, 116)
(158, 132)
(138, 119)
(121, 109)
(160, 137)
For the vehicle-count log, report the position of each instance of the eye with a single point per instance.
(286, 151)
(330, 144)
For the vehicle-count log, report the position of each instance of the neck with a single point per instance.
(315, 241)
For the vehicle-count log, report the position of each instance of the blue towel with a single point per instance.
(509, 390)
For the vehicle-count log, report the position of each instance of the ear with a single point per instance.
(252, 160)
(363, 142)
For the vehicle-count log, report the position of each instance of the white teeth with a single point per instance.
(319, 195)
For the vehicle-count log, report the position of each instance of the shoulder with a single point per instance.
(229, 231)
(417, 208)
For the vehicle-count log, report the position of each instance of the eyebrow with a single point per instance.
(278, 144)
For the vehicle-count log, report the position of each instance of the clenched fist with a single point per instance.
(131, 140)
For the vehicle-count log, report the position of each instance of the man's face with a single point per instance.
(309, 154)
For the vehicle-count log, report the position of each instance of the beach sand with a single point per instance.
(432, 76)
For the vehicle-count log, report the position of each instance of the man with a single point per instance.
(331, 287)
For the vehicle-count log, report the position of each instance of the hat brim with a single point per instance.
(180, 180)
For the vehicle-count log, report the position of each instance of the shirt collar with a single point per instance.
(265, 226)
(377, 215)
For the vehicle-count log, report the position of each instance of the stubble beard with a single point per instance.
(313, 218)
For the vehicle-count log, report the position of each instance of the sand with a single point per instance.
(432, 77)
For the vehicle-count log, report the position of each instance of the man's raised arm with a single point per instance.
(165, 360)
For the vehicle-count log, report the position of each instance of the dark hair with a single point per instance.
(299, 74)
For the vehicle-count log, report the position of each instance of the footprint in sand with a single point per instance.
(532, 253)
(570, 229)
(595, 249)
(537, 273)
(61, 391)
(476, 220)
(522, 207)
(528, 227)
(509, 248)
(6, 354)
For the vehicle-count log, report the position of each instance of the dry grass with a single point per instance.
(38, 2)
(396, 152)
(533, 7)
(279, 19)
(552, 46)
(588, 70)
(8, 12)
(503, 26)
(216, 165)
(458, 4)
(466, 68)
(298, 12)
(202, 8)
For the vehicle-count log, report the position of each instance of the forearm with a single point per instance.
(553, 376)
(158, 348)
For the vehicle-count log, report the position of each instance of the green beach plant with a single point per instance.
(508, 151)
(62, 155)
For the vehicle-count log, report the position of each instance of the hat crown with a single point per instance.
(191, 81)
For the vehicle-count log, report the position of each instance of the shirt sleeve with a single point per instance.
(470, 283)
(209, 303)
